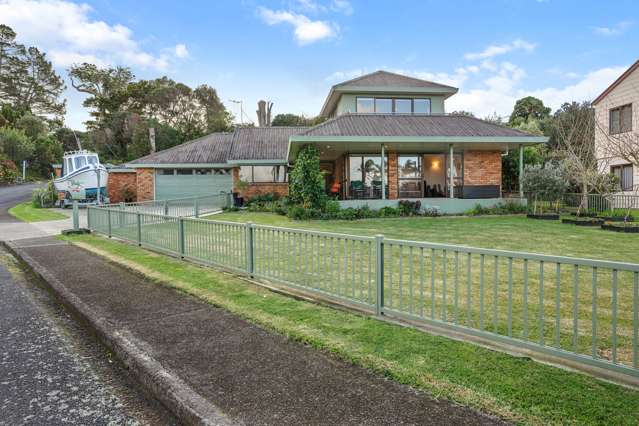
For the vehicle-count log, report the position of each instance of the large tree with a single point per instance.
(28, 81)
(528, 108)
(295, 120)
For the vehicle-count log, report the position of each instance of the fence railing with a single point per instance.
(582, 310)
(179, 207)
(598, 203)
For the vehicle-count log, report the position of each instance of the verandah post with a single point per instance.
(379, 274)
(383, 172)
(451, 179)
(249, 248)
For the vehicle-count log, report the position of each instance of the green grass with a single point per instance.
(515, 233)
(27, 213)
(516, 389)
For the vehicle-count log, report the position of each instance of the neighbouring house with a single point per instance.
(446, 160)
(617, 122)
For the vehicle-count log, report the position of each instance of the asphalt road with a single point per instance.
(51, 370)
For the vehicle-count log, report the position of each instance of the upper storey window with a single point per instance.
(621, 119)
(365, 105)
(390, 105)
(421, 106)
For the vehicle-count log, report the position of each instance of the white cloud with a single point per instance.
(618, 29)
(342, 6)
(181, 51)
(496, 50)
(69, 35)
(305, 30)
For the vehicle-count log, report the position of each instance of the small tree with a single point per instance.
(545, 183)
(306, 181)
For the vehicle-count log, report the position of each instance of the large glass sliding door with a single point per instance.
(410, 176)
(365, 176)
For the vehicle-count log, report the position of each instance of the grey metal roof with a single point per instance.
(210, 149)
(262, 143)
(388, 79)
(410, 125)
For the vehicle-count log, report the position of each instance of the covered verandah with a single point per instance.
(427, 168)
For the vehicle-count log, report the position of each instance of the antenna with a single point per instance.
(241, 109)
(77, 140)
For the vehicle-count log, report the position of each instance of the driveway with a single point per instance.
(13, 229)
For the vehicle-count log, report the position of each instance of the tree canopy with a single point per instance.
(294, 120)
(528, 108)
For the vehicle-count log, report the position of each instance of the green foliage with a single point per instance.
(48, 150)
(510, 165)
(547, 182)
(526, 109)
(409, 208)
(32, 126)
(507, 207)
(294, 120)
(44, 197)
(8, 170)
(306, 180)
(15, 145)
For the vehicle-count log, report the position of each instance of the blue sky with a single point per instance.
(292, 51)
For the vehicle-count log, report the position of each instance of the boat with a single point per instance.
(82, 169)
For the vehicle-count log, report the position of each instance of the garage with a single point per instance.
(181, 183)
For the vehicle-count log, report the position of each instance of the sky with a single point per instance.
(291, 52)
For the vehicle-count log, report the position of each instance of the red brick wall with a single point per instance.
(118, 183)
(145, 181)
(259, 188)
(393, 190)
(482, 168)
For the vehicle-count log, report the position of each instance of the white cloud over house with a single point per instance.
(614, 30)
(501, 49)
(68, 33)
(305, 30)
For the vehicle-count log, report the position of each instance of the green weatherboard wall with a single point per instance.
(180, 186)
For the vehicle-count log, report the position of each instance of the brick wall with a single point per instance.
(259, 188)
(119, 182)
(393, 190)
(145, 181)
(482, 168)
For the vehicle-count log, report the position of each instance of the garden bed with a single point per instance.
(630, 228)
(618, 218)
(585, 221)
(544, 216)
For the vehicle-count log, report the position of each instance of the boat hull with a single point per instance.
(87, 178)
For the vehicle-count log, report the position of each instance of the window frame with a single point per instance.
(274, 178)
(621, 168)
(419, 179)
(393, 104)
(619, 121)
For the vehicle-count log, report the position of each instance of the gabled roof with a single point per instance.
(384, 82)
(207, 150)
(410, 125)
(616, 83)
(261, 144)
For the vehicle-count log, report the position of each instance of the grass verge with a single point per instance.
(516, 389)
(27, 213)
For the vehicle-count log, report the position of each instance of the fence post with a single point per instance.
(121, 215)
(89, 217)
(181, 235)
(379, 274)
(109, 220)
(196, 208)
(249, 248)
(229, 199)
(139, 224)
(166, 208)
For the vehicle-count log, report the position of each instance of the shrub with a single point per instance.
(409, 208)
(127, 193)
(545, 184)
(8, 171)
(306, 180)
(44, 197)
(508, 207)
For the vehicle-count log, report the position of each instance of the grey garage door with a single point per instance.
(179, 186)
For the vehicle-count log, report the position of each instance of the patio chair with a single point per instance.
(357, 190)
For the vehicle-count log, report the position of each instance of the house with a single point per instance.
(450, 161)
(617, 122)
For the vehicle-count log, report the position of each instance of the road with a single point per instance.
(51, 370)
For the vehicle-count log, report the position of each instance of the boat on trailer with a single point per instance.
(82, 169)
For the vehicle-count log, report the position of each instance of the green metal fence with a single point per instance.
(582, 310)
(598, 203)
(179, 207)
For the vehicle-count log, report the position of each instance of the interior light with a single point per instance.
(435, 164)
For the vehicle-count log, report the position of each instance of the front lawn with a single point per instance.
(27, 213)
(515, 389)
(515, 233)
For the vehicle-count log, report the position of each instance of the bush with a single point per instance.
(409, 208)
(508, 207)
(306, 180)
(8, 171)
(44, 197)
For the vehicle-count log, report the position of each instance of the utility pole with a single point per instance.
(241, 109)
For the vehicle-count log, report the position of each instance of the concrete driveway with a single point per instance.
(12, 229)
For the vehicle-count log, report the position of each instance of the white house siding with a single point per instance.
(626, 92)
